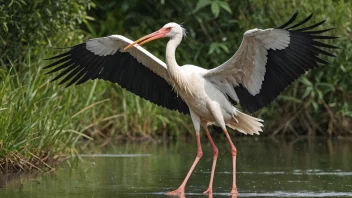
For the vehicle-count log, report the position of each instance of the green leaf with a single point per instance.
(328, 85)
(349, 114)
(225, 6)
(4, 25)
(3, 42)
(315, 106)
(290, 98)
(201, 4)
(307, 92)
(10, 4)
(212, 48)
(305, 81)
(215, 8)
(320, 94)
(224, 47)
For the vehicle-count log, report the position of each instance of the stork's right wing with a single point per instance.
(136, 69)
(268, 61)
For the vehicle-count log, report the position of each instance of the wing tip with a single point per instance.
(292, 19)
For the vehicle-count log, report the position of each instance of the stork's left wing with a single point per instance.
(136, 69)
(268, 61)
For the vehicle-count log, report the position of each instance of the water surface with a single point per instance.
(266, 168)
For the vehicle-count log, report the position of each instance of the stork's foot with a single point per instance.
(209, 191)
(179, 191)
(234, 190)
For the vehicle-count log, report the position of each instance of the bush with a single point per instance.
(37, 22)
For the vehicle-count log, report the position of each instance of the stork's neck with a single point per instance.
(170, 53)
(173, 68)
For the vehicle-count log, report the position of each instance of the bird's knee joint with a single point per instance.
(233, 151)
(215, 151)
(199, 154)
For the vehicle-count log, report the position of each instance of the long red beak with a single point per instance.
(155, 35)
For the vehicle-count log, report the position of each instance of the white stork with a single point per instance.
(267, 61)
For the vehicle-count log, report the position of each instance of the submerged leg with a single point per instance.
(196, 123)
(234, 152)
(215, 157)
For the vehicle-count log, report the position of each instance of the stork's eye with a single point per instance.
(169, 28)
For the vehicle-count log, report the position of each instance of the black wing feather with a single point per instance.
(291, 20)
(284, 66)
(302, 22)
(79, 65)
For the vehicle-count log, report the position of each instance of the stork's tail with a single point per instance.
(246, 124)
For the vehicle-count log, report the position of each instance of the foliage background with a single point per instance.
(317, 104)
(38, 119)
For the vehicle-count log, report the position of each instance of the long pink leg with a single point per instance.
(181, 189)
(215, 157)
(234, 152)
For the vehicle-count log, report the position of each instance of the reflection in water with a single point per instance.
(266, 168)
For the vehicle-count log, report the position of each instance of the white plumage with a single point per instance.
(247, 66)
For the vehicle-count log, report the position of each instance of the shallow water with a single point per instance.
(266, 168)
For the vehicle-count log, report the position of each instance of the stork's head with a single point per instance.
(170, 30)
(173, 30)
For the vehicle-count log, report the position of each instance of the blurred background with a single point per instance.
(39, 119)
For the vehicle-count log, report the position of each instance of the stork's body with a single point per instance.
(206, 102)
(199, 94)
(264, 65)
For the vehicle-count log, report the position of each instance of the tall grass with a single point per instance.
(34, 120)
(40, 119)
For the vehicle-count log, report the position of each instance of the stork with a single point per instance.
(267, 61)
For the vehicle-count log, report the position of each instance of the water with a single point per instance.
(266, 168)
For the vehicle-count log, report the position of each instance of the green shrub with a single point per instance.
(36, 22)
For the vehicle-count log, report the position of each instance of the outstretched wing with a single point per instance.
(136, 70)
(268, 61)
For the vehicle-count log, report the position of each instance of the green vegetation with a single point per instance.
(36, 23)
(317, 104)
(40, 119)
(35, 123)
